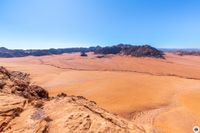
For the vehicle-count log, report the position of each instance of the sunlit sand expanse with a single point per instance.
(148, 91)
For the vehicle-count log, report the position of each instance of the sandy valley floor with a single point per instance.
(162, 93)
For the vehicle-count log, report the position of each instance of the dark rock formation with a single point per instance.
(62, 95)
(2, 84)
(137, 51)
(142, 51)
(34, 91)
(83, 53)
(108, 50)
(100, 56)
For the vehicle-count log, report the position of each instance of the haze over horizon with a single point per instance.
(37, 24)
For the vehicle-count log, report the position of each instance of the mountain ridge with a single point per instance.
(124, 49)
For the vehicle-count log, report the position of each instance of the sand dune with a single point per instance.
(162, 93)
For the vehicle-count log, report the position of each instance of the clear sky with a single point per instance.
(71, 23)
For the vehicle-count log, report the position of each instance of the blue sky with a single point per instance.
(71, 23)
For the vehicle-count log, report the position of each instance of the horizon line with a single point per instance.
(170, 48)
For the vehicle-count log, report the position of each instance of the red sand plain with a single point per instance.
(148, 91)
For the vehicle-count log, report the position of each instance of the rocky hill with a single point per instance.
(137, 51)
(27, 108)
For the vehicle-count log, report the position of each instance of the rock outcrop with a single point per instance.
(108, 50)
(142, 51)
(83, 54)
(19, 83)
(137, 51)
(27, 108)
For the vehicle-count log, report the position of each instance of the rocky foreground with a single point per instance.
(27, 108)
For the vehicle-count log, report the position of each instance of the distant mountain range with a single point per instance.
(179, 49)
(123, 49)
(182, 52)
(4, 52)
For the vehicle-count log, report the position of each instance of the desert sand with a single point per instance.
(147, 91)
(27, 108)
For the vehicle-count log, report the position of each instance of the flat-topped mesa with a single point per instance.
(137, 51)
